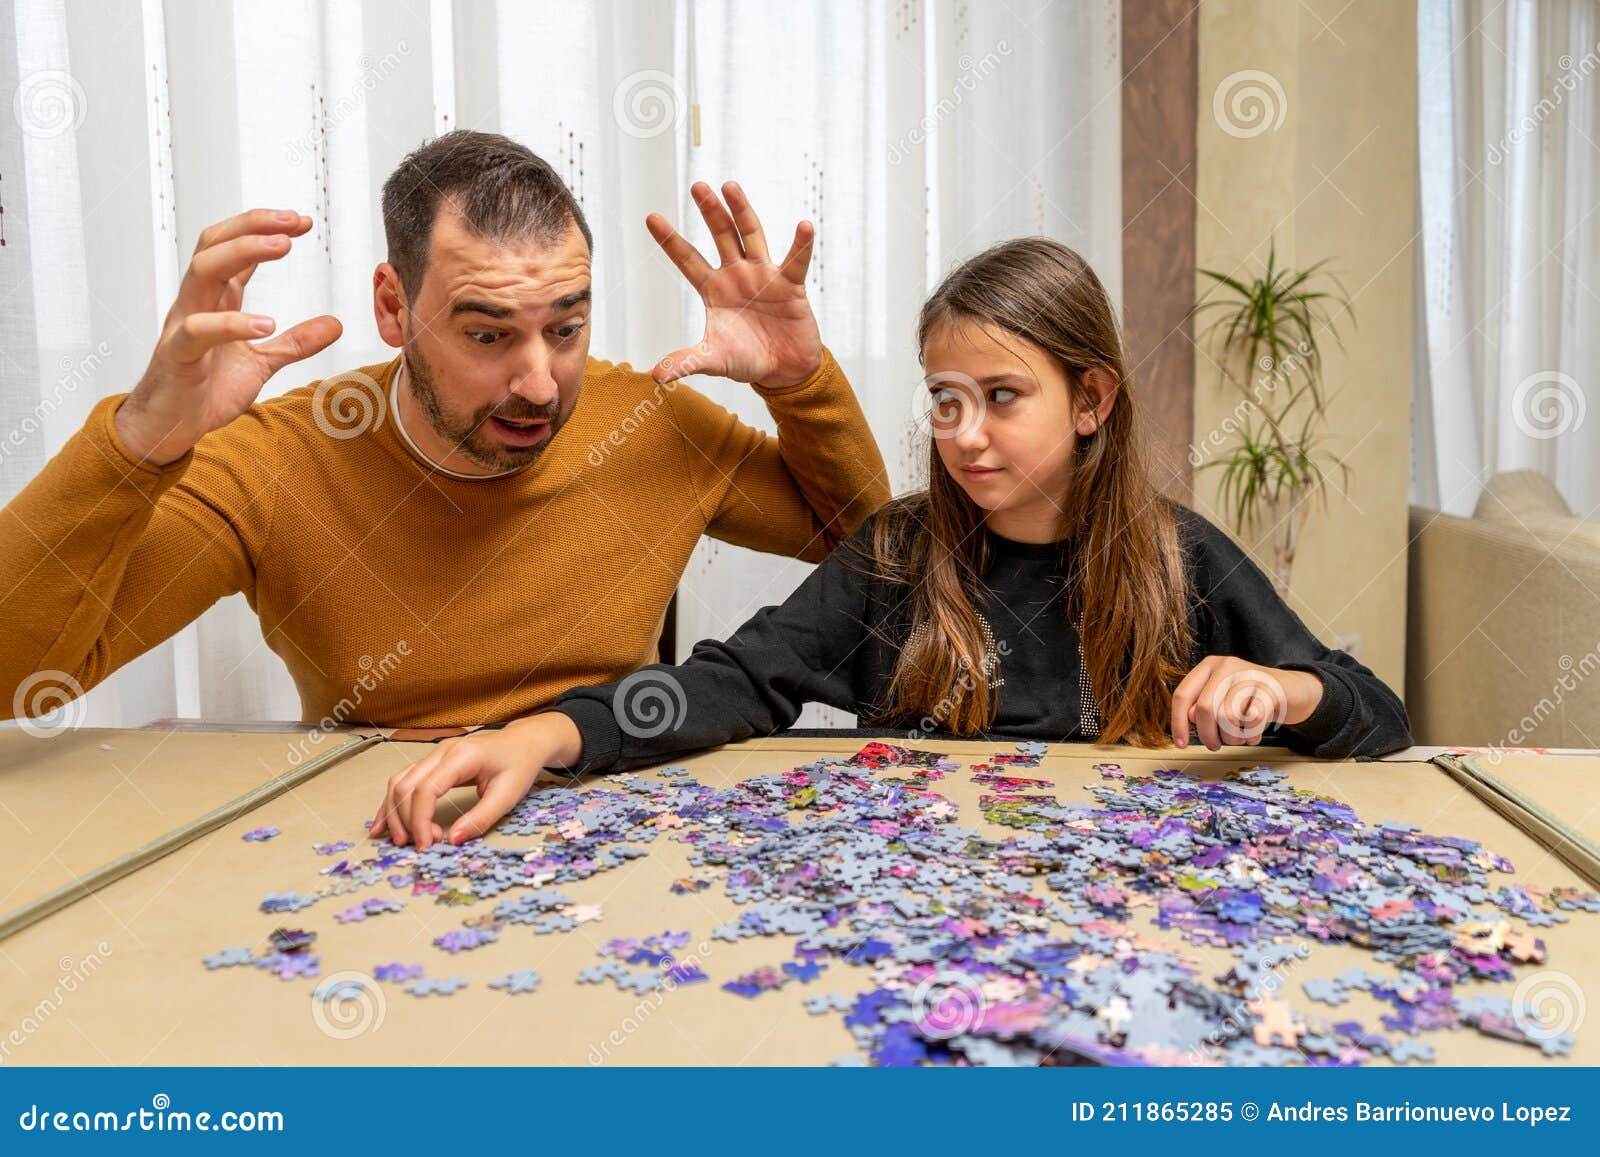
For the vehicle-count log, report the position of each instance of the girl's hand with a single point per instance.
(1231, 701)
(503, 764)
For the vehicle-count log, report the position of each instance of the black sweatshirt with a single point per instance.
(837, 638)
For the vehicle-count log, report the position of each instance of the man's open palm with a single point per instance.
(759, 325)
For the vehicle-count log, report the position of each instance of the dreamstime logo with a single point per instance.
(947, 1004)
(1267, 984)
(649, 703)
(1248, 103)
(73, 375)
(347, 405)
(965, 682)
(675, 971)
(1246, 703)
(348, 1004)
(1567, 82)
(374, 673)
(47, 703)
(1269, 376)
(1548, 404)
(48, 104)
(340, 110)
(1547, 1004)
(969, 73)
(957, 407)
(1574, 673)
(74, 972)
(630, 424)
(648, 103)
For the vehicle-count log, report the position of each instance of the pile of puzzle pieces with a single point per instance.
(950, 952)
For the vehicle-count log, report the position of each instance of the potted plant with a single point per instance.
(1271, 448)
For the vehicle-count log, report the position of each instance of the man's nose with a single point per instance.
(535, 383)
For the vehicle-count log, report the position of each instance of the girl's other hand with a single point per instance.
(503, 764)
(1231, 701)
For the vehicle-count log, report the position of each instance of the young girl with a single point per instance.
(1040, 588)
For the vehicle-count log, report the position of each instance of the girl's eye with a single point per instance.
(1001, 396)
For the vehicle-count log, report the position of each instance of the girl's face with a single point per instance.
(1004, 424)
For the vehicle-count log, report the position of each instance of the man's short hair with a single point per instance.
(501, 189)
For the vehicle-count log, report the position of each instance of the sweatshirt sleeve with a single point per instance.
(102, 556)
(799, 494)
(1238, 612)
(753, 684)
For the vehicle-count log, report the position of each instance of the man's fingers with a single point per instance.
(200, 332)
(498, 797)
(684, 255)
(305, 340)
(798, 261)
(233, 291)
(719, 222)
(744, 216)
(681, 363)
(211, 269)
(286, 221)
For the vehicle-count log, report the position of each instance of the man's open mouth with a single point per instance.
(520, 430)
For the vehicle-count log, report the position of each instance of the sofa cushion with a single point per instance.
(1563, 530)
(1514, 495)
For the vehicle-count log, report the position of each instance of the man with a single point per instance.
(449, 538)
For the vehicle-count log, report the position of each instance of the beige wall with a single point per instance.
(1335, 180)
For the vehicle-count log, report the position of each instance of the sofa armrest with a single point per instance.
(1502, 635)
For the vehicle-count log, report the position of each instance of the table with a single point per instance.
(148, 1000)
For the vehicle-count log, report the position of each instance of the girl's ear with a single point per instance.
(1098, 387)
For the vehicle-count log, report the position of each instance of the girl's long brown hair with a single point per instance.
(1127, 577)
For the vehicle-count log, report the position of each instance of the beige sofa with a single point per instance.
(1503, 629)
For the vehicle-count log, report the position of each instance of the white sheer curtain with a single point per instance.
(915, 135)
(913, 132)
(1508, 336)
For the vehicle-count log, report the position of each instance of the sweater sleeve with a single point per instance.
(1239, 612)
(753, 684)
(103, 556)
(799, 494)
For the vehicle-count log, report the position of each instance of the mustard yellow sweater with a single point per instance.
(402, 596)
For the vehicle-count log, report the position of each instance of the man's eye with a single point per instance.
(568, 332)
(484, 337)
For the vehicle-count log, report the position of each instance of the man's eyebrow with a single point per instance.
(467, 305)
(501, 312)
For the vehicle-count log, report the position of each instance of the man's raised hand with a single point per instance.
(759, 325)
(204, 372)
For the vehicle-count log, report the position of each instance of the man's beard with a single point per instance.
(473, 436)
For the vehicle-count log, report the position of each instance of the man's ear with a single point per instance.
(389, 306)
(1098, 393)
